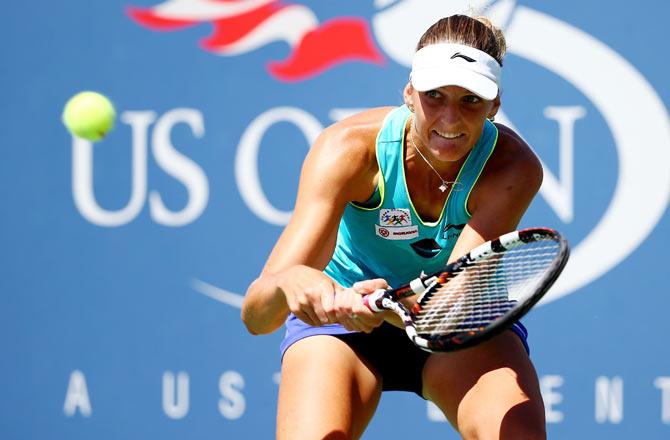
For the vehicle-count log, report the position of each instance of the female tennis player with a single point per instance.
(383, 196)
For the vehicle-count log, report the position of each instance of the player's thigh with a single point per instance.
(488, 391)
(326, 391)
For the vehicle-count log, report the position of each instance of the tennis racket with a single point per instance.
(480, 294)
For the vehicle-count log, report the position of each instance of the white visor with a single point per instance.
(448, 64)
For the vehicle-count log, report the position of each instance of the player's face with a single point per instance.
(450, 120)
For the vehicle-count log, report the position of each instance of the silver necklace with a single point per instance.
(445, 183)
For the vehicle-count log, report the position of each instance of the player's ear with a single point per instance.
(408, 96)
(494, 109)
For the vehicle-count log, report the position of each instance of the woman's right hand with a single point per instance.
(309, 293)
(316, 299)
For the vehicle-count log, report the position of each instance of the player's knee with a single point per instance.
(524, 421)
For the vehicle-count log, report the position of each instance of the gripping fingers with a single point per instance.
(328, 304)
(362, 326)
(344, 313)
(368, 286)
(303, 309)
(350, 310)
(355, 322)
(365, 320)
(307, 316)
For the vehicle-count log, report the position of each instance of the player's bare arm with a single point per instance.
(341, 167)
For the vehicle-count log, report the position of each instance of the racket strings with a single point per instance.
(487, 290)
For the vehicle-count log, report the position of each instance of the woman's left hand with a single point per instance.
(350, 310)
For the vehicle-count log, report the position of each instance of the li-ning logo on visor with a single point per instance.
(465, 57)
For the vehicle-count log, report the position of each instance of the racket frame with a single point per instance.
(424, 286)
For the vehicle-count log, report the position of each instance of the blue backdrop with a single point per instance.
(124, 261)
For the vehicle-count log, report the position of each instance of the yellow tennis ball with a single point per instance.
(89, 115)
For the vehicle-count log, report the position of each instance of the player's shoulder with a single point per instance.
(513, 173)
(358, 130)
(513, 156)
(352, 140)
(346, 152)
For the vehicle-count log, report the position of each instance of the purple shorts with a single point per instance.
(387, 349)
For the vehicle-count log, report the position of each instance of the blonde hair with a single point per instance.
(477, 32)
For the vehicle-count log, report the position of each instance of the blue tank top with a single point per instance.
(385, 237)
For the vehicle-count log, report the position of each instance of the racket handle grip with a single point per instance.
(373, 300)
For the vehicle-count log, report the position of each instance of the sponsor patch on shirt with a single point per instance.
(395, 217)
(398, 232)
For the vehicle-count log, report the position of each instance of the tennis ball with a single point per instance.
(89, 115)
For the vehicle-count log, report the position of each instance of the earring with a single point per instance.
(491, 118)
(411, 108)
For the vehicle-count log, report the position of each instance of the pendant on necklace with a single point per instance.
(443, 187)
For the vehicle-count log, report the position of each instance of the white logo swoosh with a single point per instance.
(230, 298)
